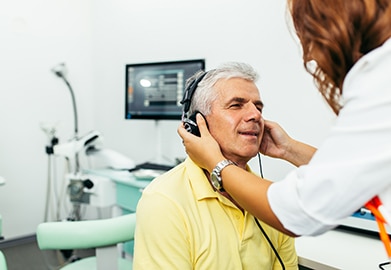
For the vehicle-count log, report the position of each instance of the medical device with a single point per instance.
(81, 188)
(78, 186)
(363, 221)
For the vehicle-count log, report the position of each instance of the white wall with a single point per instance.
(35, 36)
(251, 31)
(97, 39)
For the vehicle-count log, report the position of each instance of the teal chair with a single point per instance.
(103, 234)
(3, 263)
(1, 228)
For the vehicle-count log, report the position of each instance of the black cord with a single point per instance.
(260, 165)
(261, 228)
(270, 243)
(381, 266)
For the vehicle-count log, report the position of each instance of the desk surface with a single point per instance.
(339, 249)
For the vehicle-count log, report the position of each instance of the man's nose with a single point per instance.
(253, 113)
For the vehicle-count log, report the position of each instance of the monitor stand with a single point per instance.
(157, 163)
(159, 155)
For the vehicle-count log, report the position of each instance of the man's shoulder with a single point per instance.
(169, 182)
(172, 190)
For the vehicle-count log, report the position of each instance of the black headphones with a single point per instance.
(190, 122)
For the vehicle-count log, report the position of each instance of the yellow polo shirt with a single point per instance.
(182, 223)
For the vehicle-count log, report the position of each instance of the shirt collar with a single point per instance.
(201, 186)
(198, 180)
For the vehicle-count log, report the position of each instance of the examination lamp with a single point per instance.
(69, 149)
(73, 147)
(60, 70)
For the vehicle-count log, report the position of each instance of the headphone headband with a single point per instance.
(189, 92)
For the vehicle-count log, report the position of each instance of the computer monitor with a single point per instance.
(154, 90)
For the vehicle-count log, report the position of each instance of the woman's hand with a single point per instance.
(278, 144)
(275, 140)
(204, 150)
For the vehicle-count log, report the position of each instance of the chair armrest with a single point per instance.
(86, 233)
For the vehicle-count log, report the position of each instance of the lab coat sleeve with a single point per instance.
(289, 208)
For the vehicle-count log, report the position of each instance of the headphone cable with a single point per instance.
(261, 228)
(270, 243)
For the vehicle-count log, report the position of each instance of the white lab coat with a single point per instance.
(353, 164)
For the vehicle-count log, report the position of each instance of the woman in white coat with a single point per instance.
(350, 43)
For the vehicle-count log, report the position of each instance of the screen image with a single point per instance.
(154, 90)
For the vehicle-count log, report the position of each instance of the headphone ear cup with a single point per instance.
(191, 126)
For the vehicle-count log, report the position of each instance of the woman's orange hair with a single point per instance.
(336, 34)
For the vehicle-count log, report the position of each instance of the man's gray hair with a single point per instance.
(205, 94)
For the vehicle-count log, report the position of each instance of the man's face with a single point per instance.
(236, 119)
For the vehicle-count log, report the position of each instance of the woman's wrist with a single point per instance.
(299, 153)
(214, 161)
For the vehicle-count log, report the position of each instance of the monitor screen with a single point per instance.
(154, 90)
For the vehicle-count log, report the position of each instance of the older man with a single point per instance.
(184, 219)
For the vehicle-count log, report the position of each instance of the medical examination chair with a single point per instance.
(3, 263)
(101, 234)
